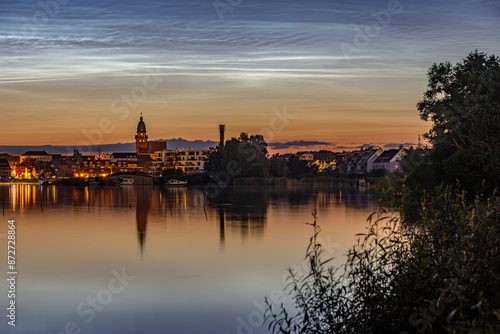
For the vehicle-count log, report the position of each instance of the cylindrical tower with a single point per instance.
(222, 128)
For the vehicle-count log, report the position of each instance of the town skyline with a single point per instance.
(152, 158)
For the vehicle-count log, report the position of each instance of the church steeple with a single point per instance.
(141, 138)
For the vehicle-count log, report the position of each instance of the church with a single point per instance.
(142, 145)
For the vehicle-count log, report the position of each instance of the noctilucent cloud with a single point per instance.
(347, 72)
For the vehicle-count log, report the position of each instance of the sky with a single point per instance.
(307, 74)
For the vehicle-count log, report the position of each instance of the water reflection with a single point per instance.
(241, 211)
(143, 203)
(193, 257)
(222, 226)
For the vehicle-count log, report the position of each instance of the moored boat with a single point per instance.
(175, 182)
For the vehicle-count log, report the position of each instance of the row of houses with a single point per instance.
(370, 159)
(361, 161)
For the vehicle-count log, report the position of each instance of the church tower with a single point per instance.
(141, 138)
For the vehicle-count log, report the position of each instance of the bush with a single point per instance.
(436, 276)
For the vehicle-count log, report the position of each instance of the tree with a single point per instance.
(146, 167)
(298, 168)
(242, 157)
(463, 103)
(171, 172)
(324, 155)
(278, 166)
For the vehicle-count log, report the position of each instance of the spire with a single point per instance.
(141, 126)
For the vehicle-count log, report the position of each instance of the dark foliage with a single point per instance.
(300, 168)
(242, 157)
(438, 276)
(463, 103)
(278, 166)
(171, 172)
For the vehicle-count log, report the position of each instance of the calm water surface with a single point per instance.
(194, 265)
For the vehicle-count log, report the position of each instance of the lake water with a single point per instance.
(153, 260)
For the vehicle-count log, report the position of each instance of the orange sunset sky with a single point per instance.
(350, 73)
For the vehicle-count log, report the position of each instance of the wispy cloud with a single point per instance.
(397, 145)
(298, 144)
(367, 145)
(263, 54)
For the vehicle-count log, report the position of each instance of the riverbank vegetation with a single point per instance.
(439, 275)
(433, 269)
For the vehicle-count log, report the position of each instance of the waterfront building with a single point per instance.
(389, 160)
(5, 169)
(188, 161)
(142, 145)
(36, 155)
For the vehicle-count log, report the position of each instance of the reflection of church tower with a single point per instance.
(141, 138)
(222, 227)
(141, 215)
